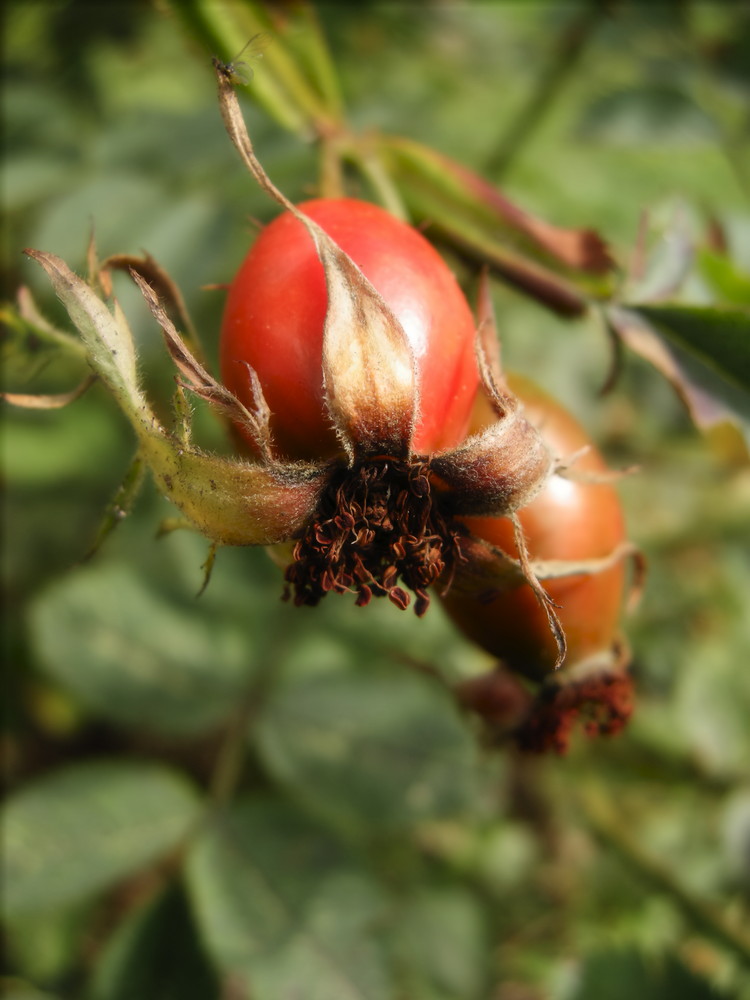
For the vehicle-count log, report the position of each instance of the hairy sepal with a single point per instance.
(498, 471)
(502, 468)
(369, 370)
(233, 503)
(255, 422)
(369, 375)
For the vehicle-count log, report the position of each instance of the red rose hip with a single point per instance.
(276, 309)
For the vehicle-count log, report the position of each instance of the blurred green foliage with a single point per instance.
(226, 796)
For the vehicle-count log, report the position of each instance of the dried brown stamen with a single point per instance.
(603, 703)
(376, 524)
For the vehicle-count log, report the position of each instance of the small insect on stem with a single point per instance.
(239, 71)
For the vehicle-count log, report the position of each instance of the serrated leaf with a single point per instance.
(284, 911)
(378, 750)
(134, 657)
(78, 830)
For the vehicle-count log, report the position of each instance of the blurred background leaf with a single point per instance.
(354, 828)
(84, 827)
(281, 905)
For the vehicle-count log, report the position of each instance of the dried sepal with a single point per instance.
(488, 342)
(198, 380)
(232, 503)
(497, 471)
(487, 571)
(164, 287)
(51, 401)
(504, 466)
(369, 371)
(543, 598)
(109, 345)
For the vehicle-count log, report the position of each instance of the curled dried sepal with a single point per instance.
(488, 571)
(497, 471)
(231, 502)
(369, 371)
(199, 381)
(108, 342)
(543, 598)
(52, 401)
(164, 287)
(502, 468)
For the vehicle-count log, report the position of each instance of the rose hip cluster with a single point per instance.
(390, 453)
(395, 515)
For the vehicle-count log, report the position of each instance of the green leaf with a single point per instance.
(658, 113)
(712, 697)
(156, 954)
(284, 910)
(725, 277)
(376, 750)
(78, 830)
(703, 352)
(718, 338)
(622, 975)
(430, 969)
(136, 658)
(45, 947)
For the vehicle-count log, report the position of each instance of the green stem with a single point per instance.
(277, 85)
(612, 830)
(364, 155)
(562, 61)
(472, 242)
(317, 57)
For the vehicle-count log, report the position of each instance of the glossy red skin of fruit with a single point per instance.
(568, 520)
(276, 306)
